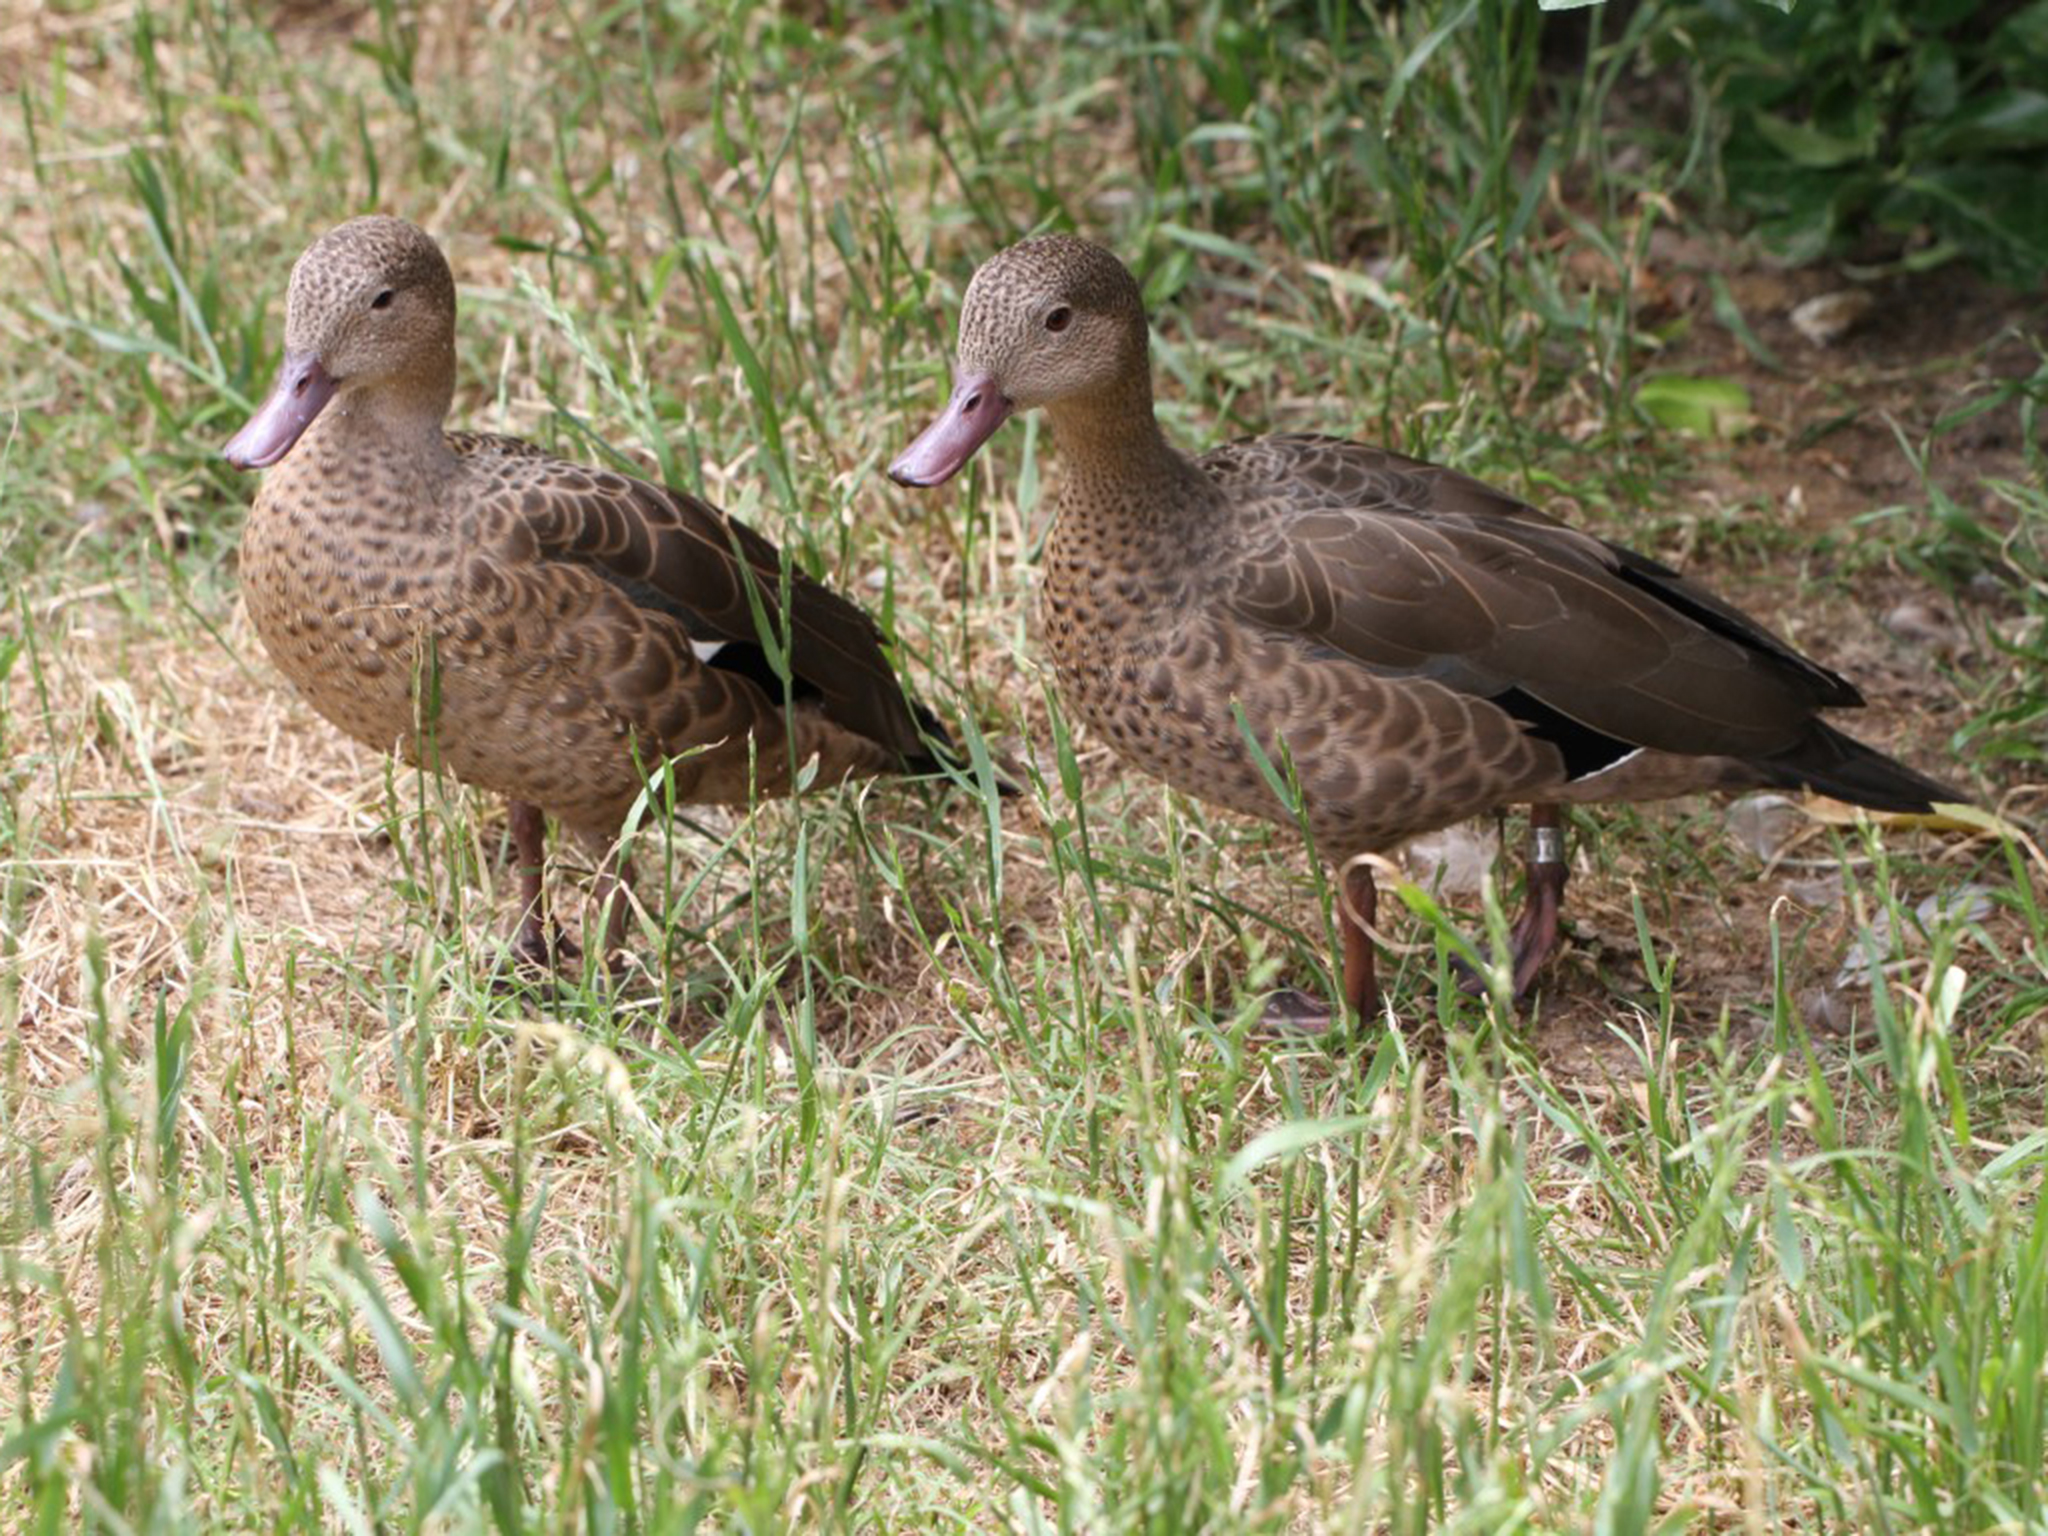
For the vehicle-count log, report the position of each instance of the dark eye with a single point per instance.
(1059, 319)
(383, 300)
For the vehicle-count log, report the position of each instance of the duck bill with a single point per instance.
(970, 419)
(302, 389)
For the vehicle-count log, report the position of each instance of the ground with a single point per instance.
(928, 1168)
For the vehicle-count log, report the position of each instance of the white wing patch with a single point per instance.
(1589, 778)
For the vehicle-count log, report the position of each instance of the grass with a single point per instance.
(931, 1175)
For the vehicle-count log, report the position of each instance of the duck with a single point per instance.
(556, 634)
(1409, 646)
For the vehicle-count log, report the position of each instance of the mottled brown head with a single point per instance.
(1052, 321)
(371, 311)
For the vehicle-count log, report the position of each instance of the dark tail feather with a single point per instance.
(937, 752)
(1841, 766)
(940, 755)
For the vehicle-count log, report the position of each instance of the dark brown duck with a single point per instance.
(539, 628)
(1422, 647)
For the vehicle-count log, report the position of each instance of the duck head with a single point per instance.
(371, 314)
(1053, 321)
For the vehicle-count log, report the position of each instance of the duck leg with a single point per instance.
(1534, 937)
(535, 942)
(1535, 934)
(1356, 913)
(1292, 1011)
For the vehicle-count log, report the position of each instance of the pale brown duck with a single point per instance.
(1421, 647)
(553, 632)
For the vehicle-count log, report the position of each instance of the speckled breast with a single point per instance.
(402, 636)
(327, 617)
(1144, 673)
(431, 635)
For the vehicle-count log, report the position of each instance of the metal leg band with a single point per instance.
(1546, 845)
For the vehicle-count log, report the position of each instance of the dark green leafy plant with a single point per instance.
(1923, 123)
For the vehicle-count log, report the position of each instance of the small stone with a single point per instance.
(1964, 904)
(1872, 950)
(1988, 587)
(1918, 622)
(1764, 824)
(1825, 1010)
(1454, 861)
(1827, 318)
(1819, 894)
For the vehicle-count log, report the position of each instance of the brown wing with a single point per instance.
(1419, 571)
(680, 555)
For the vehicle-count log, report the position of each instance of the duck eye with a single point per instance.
(383, 300)
(1059, 319)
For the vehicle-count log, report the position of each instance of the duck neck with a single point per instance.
(397, 423)
(1116, 463)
